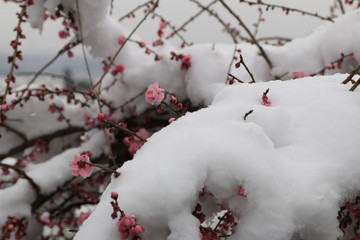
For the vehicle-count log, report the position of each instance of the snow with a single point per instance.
(295, 160)
(36, 14)
(312, 53)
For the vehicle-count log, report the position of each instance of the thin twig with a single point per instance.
(247, 114)
(173, 28)
(10, 75)
(123, 129)
(70, 206)
(172, 108)
(82, 45)
(111, 7)
(130, 100)
(237, 79)
(322, 71)
(61, 52)
(91, 81)
(221, 219)
(232, 34)
(247, 69)
(274, 39)
(134, 10)
(257, 25)
(287, 9)
(105, 169)
(253, 39)
(351, 75)
(122, 46)
(19, 134)
(48, 137)
(231, 62)
(25, 176)
(341, 6)
(149, 49)
(356, 84)
(191, 19)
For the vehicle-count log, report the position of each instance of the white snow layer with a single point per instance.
(297, 161)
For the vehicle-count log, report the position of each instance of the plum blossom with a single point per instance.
(162, 25)
(241, 192)
(118, 69)
(134, 143)
(121, 40)
(186, 62)
(298, 75)
(83, 216)
(4, 107)
(154, 94)
(45, 218)
(80, 167)
(330, 66)
(88, 121)
(265, 99)
(171, 120)
(114, 195)
(64, 34)
(127, 227)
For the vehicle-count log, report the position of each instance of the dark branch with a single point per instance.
(47, 137)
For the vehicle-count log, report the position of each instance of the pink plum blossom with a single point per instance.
(134, 143)
(241, 192)
(80, 167)
(127, 227)
(114, 195)
(330, 66)
(162, 25)
(83, 216)
(154, 94)
(265, 99)
(121, 40)
(64, 34)
(298, 75)
(138, 229)
(4, 107)
(186, 62)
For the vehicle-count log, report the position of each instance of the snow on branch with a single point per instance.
(294, 161)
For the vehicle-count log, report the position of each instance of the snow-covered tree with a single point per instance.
(201, 141)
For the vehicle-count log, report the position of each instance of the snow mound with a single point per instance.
(296, 160)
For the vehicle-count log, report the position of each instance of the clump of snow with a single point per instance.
(312, 53)
(36, 13)
(295, 159)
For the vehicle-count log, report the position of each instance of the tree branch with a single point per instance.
(351, 75)
(253, 39)
(288, 9)
(48, 137)
(22, 174)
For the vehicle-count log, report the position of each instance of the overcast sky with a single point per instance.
(205, 29)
